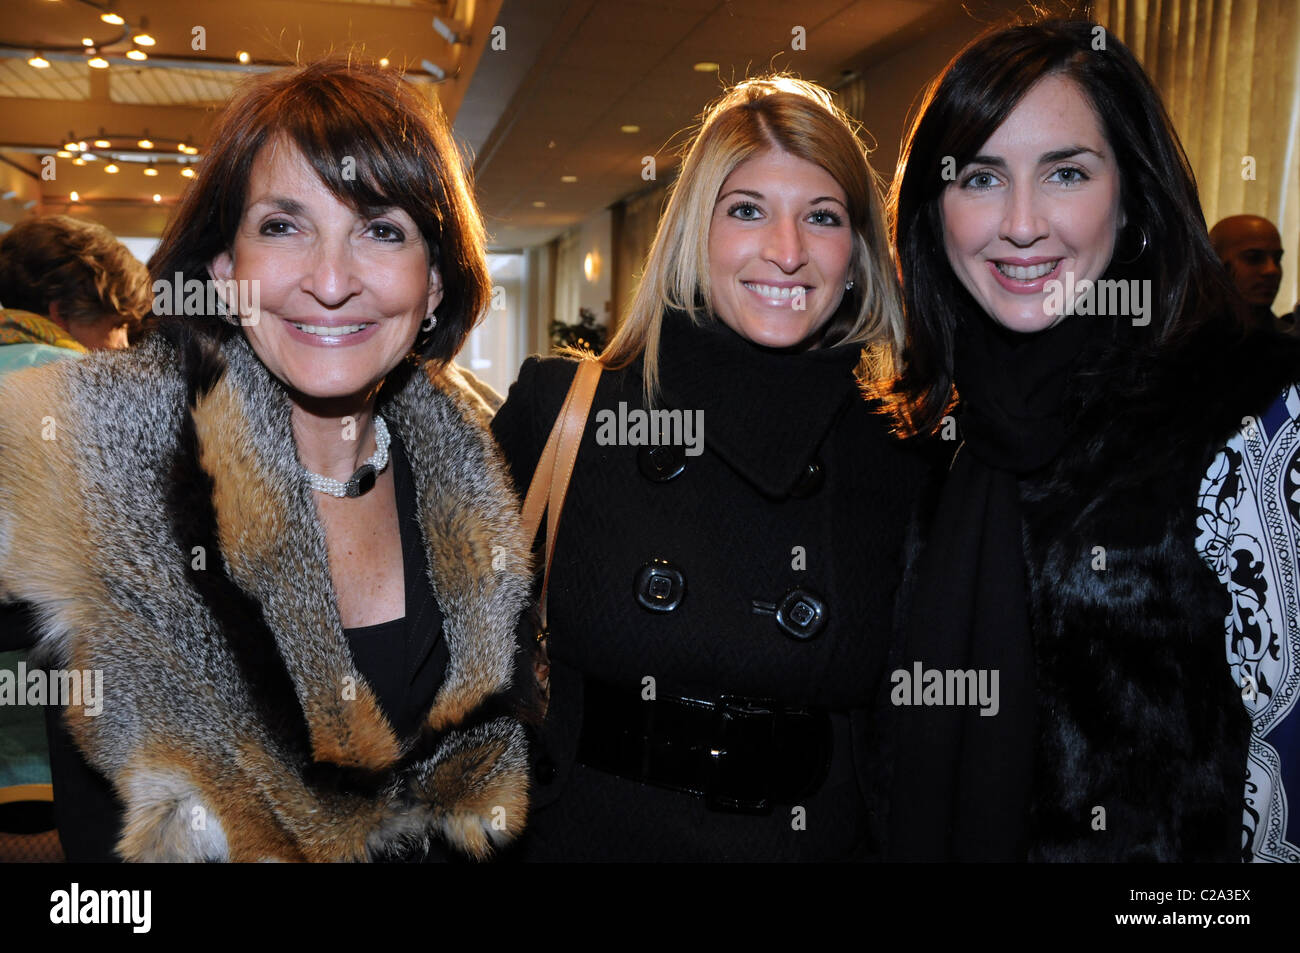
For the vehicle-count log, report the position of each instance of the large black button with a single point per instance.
(660, 586)
(810, 481)
(800, 614)
(661, 464)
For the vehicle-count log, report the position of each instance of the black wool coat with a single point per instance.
(798, 486)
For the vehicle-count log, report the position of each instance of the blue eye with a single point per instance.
(1070, 175)
(979, 180)
(745, 211)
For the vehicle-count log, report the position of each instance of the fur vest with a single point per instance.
(1142, 733)
(153, 510)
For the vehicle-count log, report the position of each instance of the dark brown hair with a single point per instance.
(403, 157)
(1164, 240)
(77, 265)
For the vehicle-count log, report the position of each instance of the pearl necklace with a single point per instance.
(364, 478)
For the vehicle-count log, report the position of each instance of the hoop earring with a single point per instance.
(430, 323)
(1129, 261)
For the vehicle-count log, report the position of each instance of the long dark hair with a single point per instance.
(961, 109)
(402, 155)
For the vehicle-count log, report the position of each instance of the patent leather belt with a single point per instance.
(739, 754)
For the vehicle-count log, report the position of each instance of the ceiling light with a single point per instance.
(137, 55)
(78, 161)
(150, 170)
(568, 178)
(112, 18)
(539, 205)
(707, 67)
(157, 197)
(111, 168)
(629, 128)
(75, 196)
(64, 154)
(102, 143)
(187, 172)
(383, 62)
(71, 146)
(144, 39)
(97, 62)
(145, 143)
(243, 57)
(39, 62)
(87, 41)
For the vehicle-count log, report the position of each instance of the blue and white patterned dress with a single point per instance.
(1248, 531)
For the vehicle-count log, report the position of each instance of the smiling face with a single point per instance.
(780, 246)
(1041, 200)
(342, 295)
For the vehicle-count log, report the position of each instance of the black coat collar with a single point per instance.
(765, 412)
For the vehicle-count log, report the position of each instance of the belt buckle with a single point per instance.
(728, 787)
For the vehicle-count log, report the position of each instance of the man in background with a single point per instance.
(1251, 249)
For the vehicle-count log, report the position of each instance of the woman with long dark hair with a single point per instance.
(1060, 287)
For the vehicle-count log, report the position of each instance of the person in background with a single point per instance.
(1116, 539)
(66, 287)
(1251, 249)
(720, 601)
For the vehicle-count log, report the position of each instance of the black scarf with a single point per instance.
(962, 779)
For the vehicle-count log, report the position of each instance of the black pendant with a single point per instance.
(362, 481)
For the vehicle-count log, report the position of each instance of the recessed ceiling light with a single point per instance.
(707, 67)
(87, 41)
(78, 161)
(97, 62)
(383, 62)
(629, 128)
(243, 56)
(111, 168)
(568, 178)
(64, 154)
(39, 62)
(113, 18)
(137, 55)
(144, 39)
(150, 170)
(187, 172)
(145, 143)
(76, 197)
(157, 197)
(71, 146)
(102, 143)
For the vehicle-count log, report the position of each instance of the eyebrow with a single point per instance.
(1056, 155)
(759, 195)
(281, 203)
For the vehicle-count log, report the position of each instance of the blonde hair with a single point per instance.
(752, 117)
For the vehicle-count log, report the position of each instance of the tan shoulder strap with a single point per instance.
(551, 478)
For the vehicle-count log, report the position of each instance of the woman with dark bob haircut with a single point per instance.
(290, 574)
(1118, 427)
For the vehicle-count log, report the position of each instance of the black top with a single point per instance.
(403, 660)
(796, 485)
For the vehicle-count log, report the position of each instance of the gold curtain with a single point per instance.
(568, 278)
(1229, 71)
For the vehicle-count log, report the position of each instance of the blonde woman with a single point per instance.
(724, 576)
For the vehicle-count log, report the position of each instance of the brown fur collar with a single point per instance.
(152, 508)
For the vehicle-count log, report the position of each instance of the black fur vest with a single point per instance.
(1142, 733)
